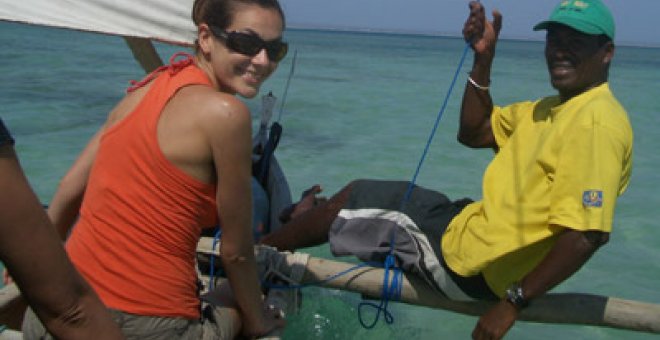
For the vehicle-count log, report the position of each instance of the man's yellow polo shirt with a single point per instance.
(558, 166)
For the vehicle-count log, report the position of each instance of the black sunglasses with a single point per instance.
(251, 44)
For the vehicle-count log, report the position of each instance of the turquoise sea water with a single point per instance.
(359, 105)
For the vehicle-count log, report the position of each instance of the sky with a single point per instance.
(634, 18)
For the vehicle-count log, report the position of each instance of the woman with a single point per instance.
(174, 157)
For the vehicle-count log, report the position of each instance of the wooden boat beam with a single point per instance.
(571, 308)
(144, 52)
(564, 308)
(559, 308)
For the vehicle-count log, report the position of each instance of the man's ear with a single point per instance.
(608, 52)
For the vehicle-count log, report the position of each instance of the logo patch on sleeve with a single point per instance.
(592, 198)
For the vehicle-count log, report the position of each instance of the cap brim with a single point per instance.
(542, 25)
(574, 24)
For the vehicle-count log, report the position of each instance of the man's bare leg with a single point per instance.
(308, 228)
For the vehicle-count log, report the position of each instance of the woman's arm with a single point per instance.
(63, 209)
(229, 132)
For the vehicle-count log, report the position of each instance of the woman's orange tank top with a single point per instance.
(141, 216)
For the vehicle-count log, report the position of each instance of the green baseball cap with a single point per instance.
(586, 16)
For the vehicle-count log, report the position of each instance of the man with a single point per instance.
(548, 195)
(33, 253)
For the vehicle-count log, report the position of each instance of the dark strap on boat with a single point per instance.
(261, 167)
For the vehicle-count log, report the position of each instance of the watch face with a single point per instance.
(515, 295)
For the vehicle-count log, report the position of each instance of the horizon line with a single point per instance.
(433, 33)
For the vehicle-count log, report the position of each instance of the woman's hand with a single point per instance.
(272, 320)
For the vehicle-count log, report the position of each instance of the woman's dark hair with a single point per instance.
(220, 12)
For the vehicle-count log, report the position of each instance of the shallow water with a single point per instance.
(359, 105)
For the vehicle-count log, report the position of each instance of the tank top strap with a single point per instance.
(172, 68)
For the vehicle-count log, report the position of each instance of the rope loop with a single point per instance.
(391, 292)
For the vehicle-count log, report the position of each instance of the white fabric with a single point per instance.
(403, 221)
(168, 21)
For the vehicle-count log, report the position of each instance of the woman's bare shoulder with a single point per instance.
(212, 104)
(213, 111)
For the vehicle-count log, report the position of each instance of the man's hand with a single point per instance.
(475, 130)
(481, 33)
(571, 250)
(496, 322)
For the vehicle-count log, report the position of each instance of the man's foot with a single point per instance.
(308, 200)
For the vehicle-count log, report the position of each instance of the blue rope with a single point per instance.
(216, 239)
(393, 290)
(390, 292)
(406, 197)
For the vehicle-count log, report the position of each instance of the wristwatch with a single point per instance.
(516, 296)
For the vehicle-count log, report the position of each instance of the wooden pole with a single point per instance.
(580, 309)
(145, 53)
(567, 308)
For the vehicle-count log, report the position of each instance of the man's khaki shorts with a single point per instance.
(215, 324)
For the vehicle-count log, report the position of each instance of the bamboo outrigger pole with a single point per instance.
(573, 308)
(144, 53)
(560, 308)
